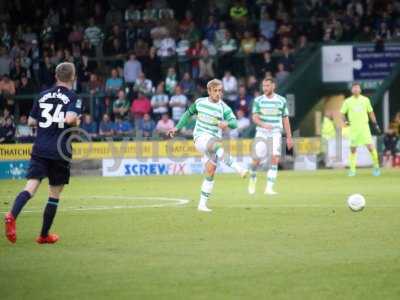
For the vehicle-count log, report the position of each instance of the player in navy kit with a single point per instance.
(53, 113)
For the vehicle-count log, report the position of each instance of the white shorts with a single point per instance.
(267, 145)
(203, 144)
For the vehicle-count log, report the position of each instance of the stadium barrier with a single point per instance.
(171, 157)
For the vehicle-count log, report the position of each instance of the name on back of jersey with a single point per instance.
(64, 98)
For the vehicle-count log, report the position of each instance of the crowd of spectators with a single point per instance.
(139, 66)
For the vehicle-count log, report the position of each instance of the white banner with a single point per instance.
(336, 159)
(161, 166)
(337, 63)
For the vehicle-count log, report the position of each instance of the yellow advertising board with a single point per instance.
(139, 149)
(147, 149)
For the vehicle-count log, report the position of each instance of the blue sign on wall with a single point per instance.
(371, 63)
(13, 169)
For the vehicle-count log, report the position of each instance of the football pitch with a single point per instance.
(142, 238)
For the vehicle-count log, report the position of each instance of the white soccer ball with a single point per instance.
(356, 202)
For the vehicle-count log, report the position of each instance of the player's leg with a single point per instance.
(207, 185)
(19, 202)
(201, 144)
(217, 148)
(352, 161)
(259, 153)
(271, 175)
(36, 172)
(58, 173)
(375, 159)
(253, 176)
(273, 168)
(49, 214)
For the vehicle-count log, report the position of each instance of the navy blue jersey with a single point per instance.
(50, 110)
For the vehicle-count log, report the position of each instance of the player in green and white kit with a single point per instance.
(358, 108)
(213, 116)
(270, 115)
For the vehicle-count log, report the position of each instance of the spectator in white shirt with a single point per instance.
(143, 85)
(167, 47)
(95, 36)
(230, 87)
(178, 103)
(159, 102)
(132, 69)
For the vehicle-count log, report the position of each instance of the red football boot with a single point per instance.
(11, 232)
(50, 239)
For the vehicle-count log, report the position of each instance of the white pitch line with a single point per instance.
(175, 202)
(300, 206)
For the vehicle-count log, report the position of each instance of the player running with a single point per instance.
(55, 110)
(358, 108)
(270, 115)
(213, 116)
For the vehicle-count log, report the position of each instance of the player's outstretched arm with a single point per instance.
(184, 120)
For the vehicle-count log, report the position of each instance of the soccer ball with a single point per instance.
(356, 202)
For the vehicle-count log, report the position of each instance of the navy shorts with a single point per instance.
(58, 171)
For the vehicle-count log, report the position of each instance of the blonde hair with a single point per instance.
(65, 72)
(213, 83)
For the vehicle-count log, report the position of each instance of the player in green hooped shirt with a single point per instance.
(213, 116)
(359, 111)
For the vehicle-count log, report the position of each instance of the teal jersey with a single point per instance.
(271, 111)
(209, 114)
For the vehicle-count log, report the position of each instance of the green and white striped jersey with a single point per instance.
(209, 113)
(271, 111)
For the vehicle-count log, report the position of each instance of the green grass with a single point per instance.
(301, 244)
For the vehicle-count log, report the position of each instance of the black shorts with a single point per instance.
(58, 171)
